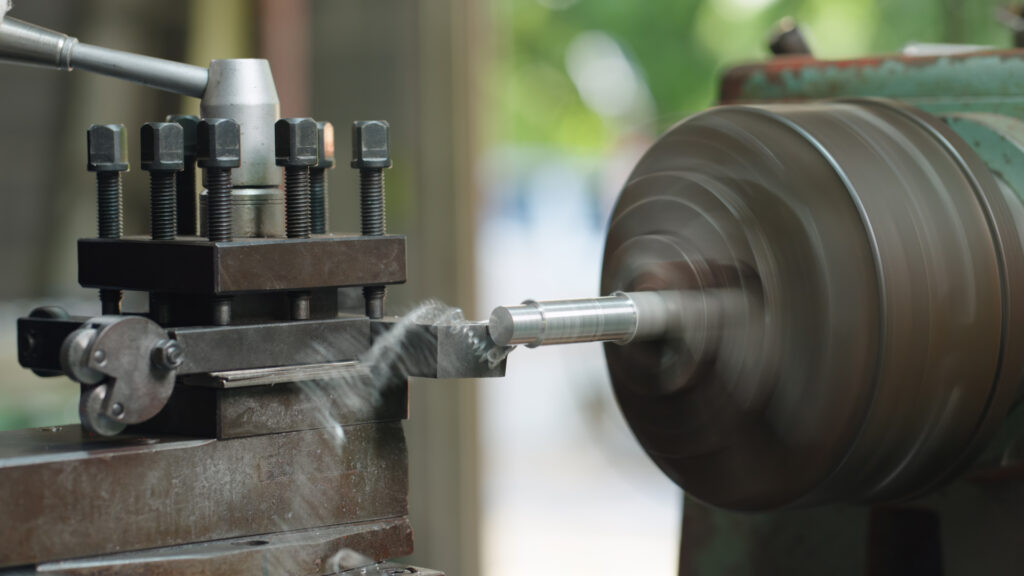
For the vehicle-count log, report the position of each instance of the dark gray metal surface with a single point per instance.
(314, 552)
(218, 348)
(67, 495)
(282, 407)
(195, 266)
(878, 340)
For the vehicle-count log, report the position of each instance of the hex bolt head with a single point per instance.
(325, 145)
(108, 148)
(218, 143)
(167, 355)
(163, 146)
(189, 124)
(295, 142)
(371, 145)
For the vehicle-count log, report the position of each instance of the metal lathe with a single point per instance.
(812, 297)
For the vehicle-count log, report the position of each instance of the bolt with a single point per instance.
(167, 355)
(108, 158)
(788, 39)
(318, 177)
(163, 156)
(117, 410)
(99, 357)
(371, 154)
(186, 179)
(295, 141)
(218, 151)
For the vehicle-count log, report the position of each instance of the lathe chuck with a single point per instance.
(873, 275)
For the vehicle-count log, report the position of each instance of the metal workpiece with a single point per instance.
(127, 366)
(620, 318)
(26, 43)
(318, 197)
(371, 154)
(163, 156)
(81, 495)
(876, 264)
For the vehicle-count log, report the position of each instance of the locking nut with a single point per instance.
(167, 355)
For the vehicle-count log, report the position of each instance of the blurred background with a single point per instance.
(515, 123)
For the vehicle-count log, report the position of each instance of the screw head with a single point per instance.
(189, 124)
(108, 148)
(371, 144)
(295, 141)
(325, 145)
(117, 410)
(163, 146)
(167, 355)
(218, 143)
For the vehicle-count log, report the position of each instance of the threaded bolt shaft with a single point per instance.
(371, 201)
(374, 223)
(110, 204)
(110, 220)
(218, 204)
(162, 205)
(297, 201)
(318, 200)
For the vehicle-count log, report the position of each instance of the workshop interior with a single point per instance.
(502, 287)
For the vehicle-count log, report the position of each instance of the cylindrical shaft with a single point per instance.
(371, 201)
(30, 44)
(162, 209)
(374, 221)
(621, 318)
(109, 203)
(218, 204)
(221, 310)
(296, 201)
(110, 220)
(318, 200)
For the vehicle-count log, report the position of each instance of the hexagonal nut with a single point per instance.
(371, 144)
(167, 355)
(189, 124)
(295, 141)
(163, 146)
(325, 145)
(218, 143)
(108, 148)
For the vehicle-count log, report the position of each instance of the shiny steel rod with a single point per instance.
(621, 318)
(25, 43)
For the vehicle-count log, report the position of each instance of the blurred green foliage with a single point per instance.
(680, 48)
